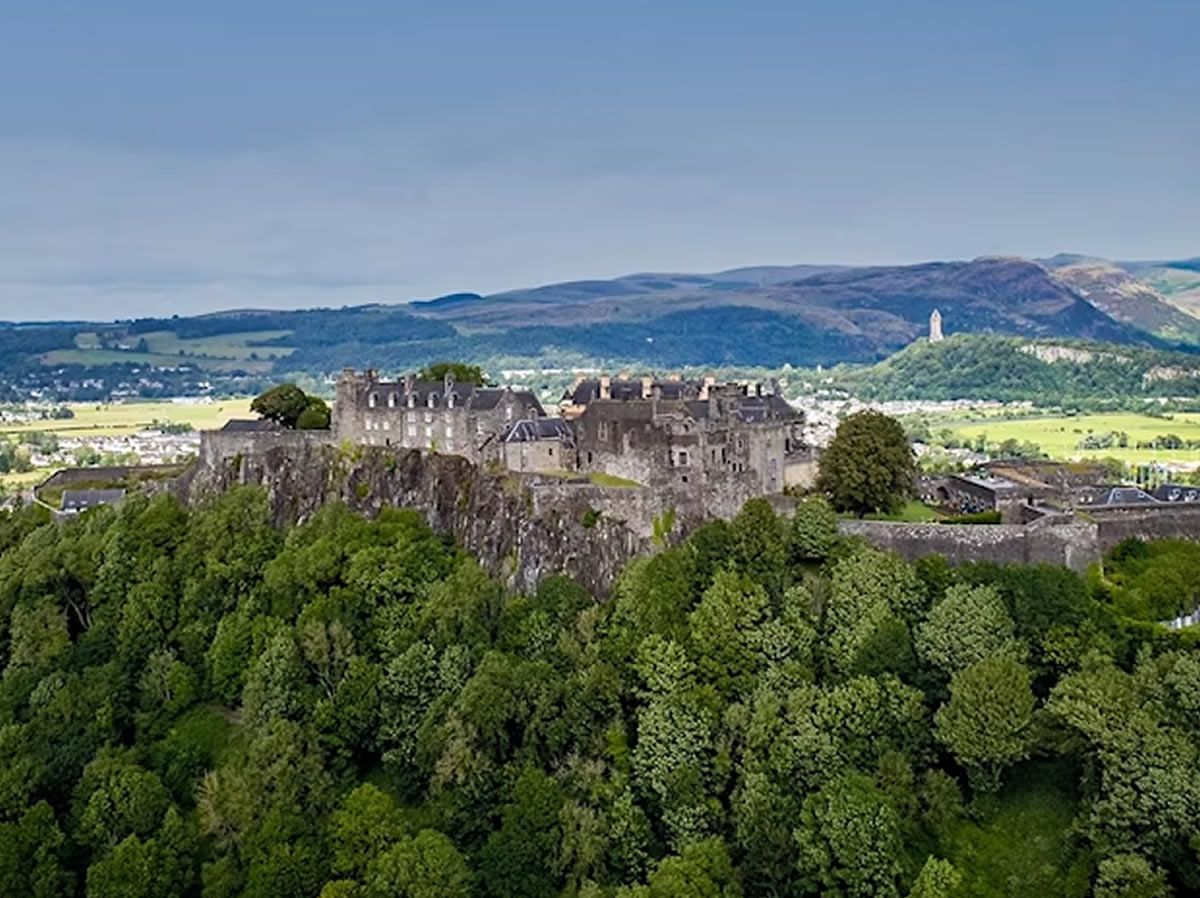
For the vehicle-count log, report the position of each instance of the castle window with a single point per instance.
(387, 425)
(550, 451)
(372, 400)
(412, 401)
(683, 458)
(429, 433)
(602, 430)
(428, 417)
(391, 400)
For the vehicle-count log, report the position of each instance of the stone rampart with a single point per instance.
(219, 446)
(1073, 545)
(1117, 523)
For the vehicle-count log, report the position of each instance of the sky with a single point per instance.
(174, 158)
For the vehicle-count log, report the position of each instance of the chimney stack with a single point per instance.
(605, 387)
(706, 387)
(647, 386)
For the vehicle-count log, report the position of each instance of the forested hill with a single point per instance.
(196, 704)
(766, 316)
(1007, 368)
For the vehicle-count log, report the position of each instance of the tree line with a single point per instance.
(198, 703)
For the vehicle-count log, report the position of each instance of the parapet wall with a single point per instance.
(1117, 523)
(219, 446)
(1073, 545)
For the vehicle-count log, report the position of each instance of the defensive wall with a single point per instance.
(217, 446)
(1074, 545)
(1116, 523)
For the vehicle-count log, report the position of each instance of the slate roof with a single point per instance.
(1177, 492)
(79, 500)
(1122, 495)
(465, 394)
(751, 407)
(530, 430)
(250, 425)
(625, 389)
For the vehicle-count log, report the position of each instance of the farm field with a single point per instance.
(226, 346)
(227, 352)
(114, 419)
(1059, 435)
(100, 357)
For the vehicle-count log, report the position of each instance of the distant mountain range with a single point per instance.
(830, 313)
(802, 315)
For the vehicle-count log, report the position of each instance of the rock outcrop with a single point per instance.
(519, 535)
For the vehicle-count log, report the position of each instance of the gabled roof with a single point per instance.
(529, 430)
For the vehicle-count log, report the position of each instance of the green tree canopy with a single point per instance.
(291, 407)
(869, 465)
(460, 371)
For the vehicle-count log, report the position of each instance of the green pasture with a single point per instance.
(226, 352)
(116, 418)
(225, 346)
(1059, 435)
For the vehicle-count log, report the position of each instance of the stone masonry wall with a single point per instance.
(1071, 545)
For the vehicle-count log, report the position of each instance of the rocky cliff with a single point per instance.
(519, 530)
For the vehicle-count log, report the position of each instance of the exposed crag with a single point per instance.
(519, 529)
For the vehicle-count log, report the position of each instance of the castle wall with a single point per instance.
(219, 446)
(1073, 545)
(1115, 524)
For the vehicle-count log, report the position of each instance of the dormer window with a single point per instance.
(449, 400)
(391, 400)
(412, 401)
(372, 400)
(431, 401)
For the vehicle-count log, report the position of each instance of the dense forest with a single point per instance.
(197, 703)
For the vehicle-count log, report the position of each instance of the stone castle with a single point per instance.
(648, 431)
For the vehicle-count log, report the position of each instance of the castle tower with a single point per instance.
(935, 327)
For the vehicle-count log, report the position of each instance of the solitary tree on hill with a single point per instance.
(869, 466)
(292, 407)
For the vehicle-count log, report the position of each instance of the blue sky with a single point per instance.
(161, 158)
